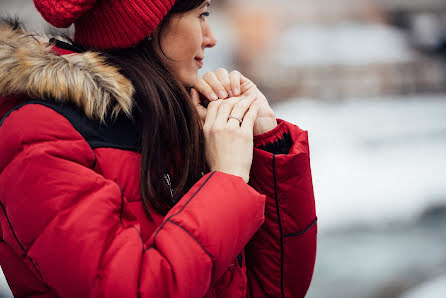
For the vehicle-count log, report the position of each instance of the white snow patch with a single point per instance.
(373, 161)
(344, 44)
(435, 288)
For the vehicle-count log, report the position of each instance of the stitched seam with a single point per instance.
(122, 212)
(25, 253)
(95, 160)
(170, 217)
(10, 227)
(140, 270)
(258, 280)
(12, 110)
(304, 231)
(196, 240)
(280, 227)
(169, 220)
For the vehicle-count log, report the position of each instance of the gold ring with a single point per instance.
(236, 118)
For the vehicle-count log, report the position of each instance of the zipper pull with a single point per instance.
(168, 183)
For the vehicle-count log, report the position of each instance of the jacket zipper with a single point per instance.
(168, 183)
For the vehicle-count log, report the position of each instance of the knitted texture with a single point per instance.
(106, 24)
(62, 13)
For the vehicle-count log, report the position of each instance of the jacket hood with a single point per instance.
(28, 66)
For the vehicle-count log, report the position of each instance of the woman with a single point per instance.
(118, 179)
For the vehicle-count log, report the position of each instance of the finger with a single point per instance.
(224, 111)
(240, 110)
(202, 87)
(227, 107)
(223, 76)
(212, 80)
(233, 122)
(244, 79)
(250, 117)
(235, 78)
(245, 84)
(197, 104)
(211, 113)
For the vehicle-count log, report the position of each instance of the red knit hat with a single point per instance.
(106, 24)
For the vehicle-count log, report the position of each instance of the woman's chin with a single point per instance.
(188, 82)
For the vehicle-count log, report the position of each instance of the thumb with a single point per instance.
(245, 84)
(243, 79)
(197, 104)
(251, 116)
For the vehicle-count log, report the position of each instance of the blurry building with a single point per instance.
(340, 49)
(423, 20)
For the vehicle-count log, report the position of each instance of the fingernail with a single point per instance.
(223, 94)
(236, 91)
(230, 93)
(213, 96)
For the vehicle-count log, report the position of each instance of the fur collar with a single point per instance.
(28, 66)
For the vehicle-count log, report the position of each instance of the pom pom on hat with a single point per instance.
(106, 24)
(63, 13)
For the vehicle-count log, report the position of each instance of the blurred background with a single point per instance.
(367, 79)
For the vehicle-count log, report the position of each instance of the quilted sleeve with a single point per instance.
(74, 227)
(280, 257)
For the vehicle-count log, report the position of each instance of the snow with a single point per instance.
(374, 161)
(4, 288)
(343, 44)
(435, 288)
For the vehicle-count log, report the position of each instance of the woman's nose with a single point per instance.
(209, 40)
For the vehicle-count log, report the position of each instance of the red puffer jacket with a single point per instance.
(72, 222)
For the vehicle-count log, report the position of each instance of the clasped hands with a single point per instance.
(222, 85)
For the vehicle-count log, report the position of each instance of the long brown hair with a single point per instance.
(172, 141)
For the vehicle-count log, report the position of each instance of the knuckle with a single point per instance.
(235, 73)
(227, 104)
(221, 70)
(231, 102)
(208, 75)
(214, 104)
(242, 105)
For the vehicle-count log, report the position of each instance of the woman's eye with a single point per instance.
(205, 14)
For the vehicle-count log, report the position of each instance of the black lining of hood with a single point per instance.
(121, 133)
(66, 46)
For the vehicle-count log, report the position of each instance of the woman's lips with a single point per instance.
(199, 61)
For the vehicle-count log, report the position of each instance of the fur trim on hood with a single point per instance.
(28, 66)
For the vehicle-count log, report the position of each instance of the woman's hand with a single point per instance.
(229, 141)
(221, 85)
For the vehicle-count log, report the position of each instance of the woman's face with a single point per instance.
(183, 42)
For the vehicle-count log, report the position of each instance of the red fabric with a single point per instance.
(7, 103)
(108, 24)
(272, 135)
(73, 225)
(281, 256)
(60, 51)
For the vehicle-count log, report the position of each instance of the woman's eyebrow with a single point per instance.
(206, 3)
